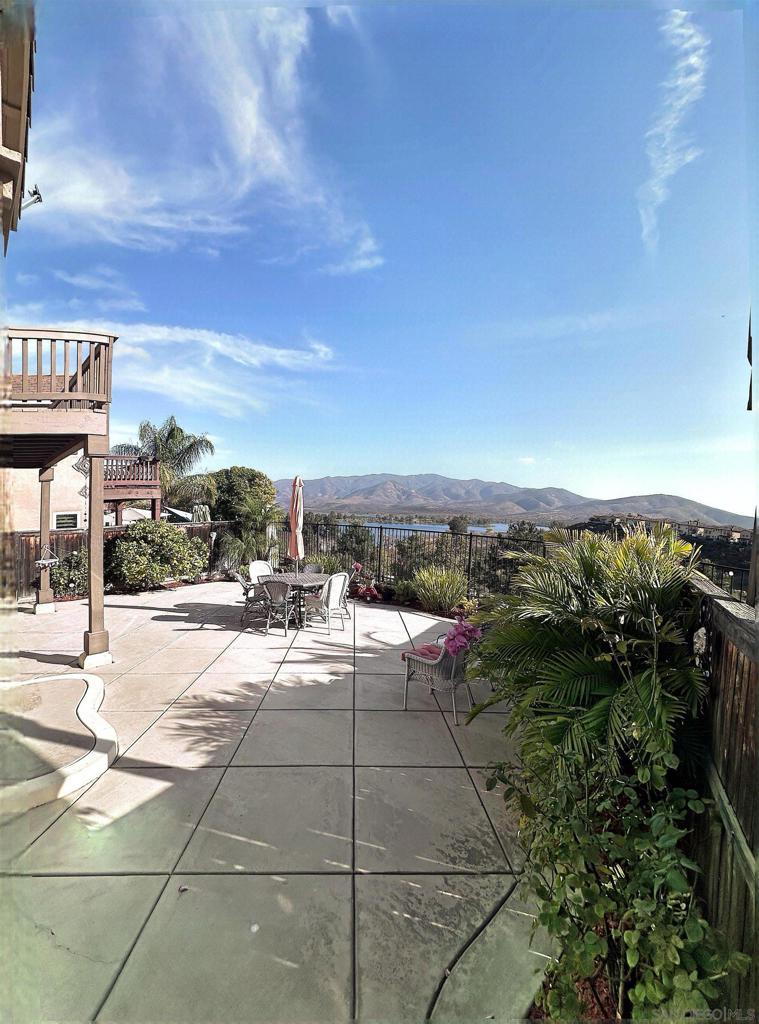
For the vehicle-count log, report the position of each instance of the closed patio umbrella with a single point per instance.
(295, 546)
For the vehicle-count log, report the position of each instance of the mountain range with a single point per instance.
(431, 494)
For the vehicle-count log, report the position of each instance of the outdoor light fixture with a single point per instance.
(35, 196)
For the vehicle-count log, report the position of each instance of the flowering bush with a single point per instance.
(357, 567)
(367, 592)
(461, 636)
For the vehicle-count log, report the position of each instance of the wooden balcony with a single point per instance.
(126, 478)
(57, 390)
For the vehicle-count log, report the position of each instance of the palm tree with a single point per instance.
(178, 452)
(592, 648)
(251, 535)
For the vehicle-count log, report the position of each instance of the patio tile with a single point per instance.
(481, 741)
(422, 819)
(70, 936)
(377, 692)
(382, 661)
(229, 691)
(187, 738)
(503, 816)
(275, 819)
(408, 931)
(279, 953)
(129, 725)
(404, 737)
(259, 641)
(481, 691)
(40, 730)
(136, 691)
(478, 988)
(298, 737)
(309, 690)
(317, 638)
(19, 831)
(127, 821)
(244, 659)
(203, 638)
(188, 659)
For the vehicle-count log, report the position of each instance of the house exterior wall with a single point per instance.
(23, 488)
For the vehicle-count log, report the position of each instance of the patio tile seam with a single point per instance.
(477, 792)
(192, 831)
(130, 950)
(359, 873)
(183, 692)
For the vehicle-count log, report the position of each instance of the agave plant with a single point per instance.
(592, 648)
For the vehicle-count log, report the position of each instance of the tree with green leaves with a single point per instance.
(237, 485)
(178, 452)
(458, 524)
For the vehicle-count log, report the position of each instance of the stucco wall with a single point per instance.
(23, 488)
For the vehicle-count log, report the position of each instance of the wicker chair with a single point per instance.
(279, 604)
(351, 574)
(443, 675)
(329, 601)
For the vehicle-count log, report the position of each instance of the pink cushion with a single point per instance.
(430, 652)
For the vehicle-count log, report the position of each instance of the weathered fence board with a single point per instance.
(25, 548)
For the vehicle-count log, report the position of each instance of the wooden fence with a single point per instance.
(727, 842)
(24, 549)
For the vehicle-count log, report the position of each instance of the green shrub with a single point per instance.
(615, 892)
(71, 575)
(439, 590)
(333, 563)
(405, 592)
(149, 552)
(592, 653)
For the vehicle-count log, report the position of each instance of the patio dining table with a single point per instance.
(300, 582)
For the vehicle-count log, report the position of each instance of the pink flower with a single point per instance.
(357, 566)
(461, 636)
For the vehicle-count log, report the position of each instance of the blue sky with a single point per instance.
(486, 241)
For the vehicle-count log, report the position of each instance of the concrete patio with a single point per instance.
(277, 840)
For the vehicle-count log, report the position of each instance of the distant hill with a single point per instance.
(431, 494)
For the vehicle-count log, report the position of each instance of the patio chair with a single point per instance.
(258, 569)
(279, 603)
(344, 596)
(443, 674)
(328, 602)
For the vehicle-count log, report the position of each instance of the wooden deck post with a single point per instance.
(96, 637)
(119, 512)
(45, 601)
(155, 508)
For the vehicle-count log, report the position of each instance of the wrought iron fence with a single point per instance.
(394, 553)
(732, 580)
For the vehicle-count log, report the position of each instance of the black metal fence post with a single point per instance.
(379, 554)
(469, 565)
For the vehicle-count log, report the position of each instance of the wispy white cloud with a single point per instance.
(244, 155)
(228, 374)
(570, 325)
(668, 148)
(24, 279)
(526, 460)
(119, 296)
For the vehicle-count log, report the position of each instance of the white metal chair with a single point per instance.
(444, 675)
(344, 596)
(328, 602)
(258, 569)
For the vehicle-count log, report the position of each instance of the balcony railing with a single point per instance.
(126, 470)
(57, 369)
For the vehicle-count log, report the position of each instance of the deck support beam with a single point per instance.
(45, 600)
(155, 508)
(96, 642)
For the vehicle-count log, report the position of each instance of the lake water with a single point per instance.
(440, 527)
